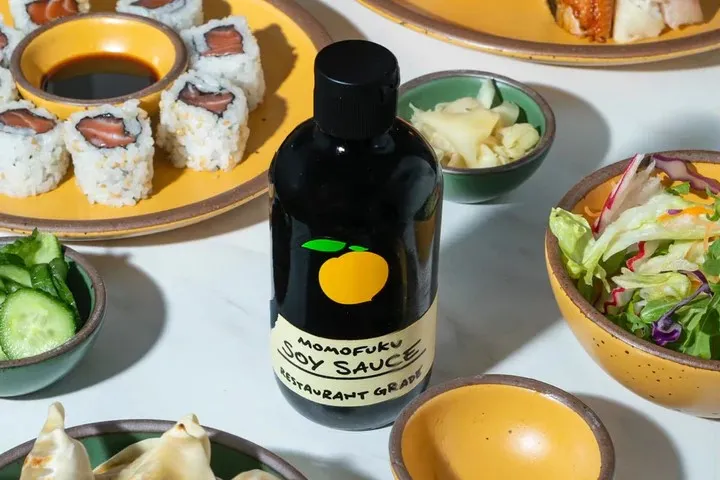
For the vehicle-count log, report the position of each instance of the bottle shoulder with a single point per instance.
(397, 172)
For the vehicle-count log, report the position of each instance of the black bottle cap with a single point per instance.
(356, 85)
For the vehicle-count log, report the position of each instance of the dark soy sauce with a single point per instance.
(100, 76)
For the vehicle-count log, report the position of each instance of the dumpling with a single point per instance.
(182, 453)
(56, 456)
(255, 475)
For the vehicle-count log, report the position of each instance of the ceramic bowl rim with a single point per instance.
(92, 324)
(540, 150)
(180, 62)
(229, 440)
(591, 419)
(552, 249)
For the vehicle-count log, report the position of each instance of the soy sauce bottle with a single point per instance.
(355, 223)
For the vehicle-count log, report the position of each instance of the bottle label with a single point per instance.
(354, 373)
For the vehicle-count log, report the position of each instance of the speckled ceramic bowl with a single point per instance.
(20, 377)
(499, 427)
(665, 377)
(230, 454)
(477, 185)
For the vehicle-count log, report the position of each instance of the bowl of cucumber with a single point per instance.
(52, 304)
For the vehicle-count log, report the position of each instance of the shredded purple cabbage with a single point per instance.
(665, 330)
(674, 211)
(679, 170)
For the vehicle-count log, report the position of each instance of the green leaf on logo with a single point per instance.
(358, 248)
(324, 245)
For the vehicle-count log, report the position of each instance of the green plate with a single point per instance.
(231, 455)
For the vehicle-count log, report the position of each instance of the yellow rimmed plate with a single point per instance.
(525, 29)
(289, 39)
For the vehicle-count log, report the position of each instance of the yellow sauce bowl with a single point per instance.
(148, 41)
(499, 427)
(665, 377)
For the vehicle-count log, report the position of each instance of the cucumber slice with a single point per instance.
(3, 356)
(42, 279)
(16, 273)
(11, 286)
(49, 250)
(59, 268)
(32, 322)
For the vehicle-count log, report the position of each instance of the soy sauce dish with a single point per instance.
(89, 60)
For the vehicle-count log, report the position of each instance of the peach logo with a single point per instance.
(352, 278)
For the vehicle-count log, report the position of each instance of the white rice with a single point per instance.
(8, 91)
(242, 69)
(18, 9)
(197, 138)
(178, 14)
(113, 176)
(13, 38)
(31, 163)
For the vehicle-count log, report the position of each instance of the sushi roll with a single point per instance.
(203, 122)
(177, 14)
(112, 151)
(8, 91)
(30, 14)
(228, 49)
(9, 38)
(34, 159)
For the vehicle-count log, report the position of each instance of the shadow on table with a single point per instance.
(495, 295)
(321, 469)
(134, 322)
(642, 449)
(337, 25)
(244, 216)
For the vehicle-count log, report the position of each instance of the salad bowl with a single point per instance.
(671, 372)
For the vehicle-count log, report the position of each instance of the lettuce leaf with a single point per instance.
(655, 286)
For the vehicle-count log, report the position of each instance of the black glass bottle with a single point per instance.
(356, 198)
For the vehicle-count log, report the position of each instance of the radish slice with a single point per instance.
(645, 251)
(678, 170)
(619, 297)
(612, 208)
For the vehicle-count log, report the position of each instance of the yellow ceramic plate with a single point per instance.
(289, 39)
(526, 29)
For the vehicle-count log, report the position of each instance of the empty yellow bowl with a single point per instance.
(500, 427)
(145, 40)
(668, 378)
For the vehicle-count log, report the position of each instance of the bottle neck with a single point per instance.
(341, 145)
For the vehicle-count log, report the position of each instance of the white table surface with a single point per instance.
(188, 321)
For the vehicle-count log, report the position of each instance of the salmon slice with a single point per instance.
(41, 12)
(223, 40)
(590, 18)
(151, 4)
(105, 131)
(216, 103)
(24, 118)
(677, 13)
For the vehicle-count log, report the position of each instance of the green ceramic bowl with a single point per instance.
(231, 455)
(20, 377)
(477, 185)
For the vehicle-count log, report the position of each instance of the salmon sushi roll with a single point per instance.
(228, 49)
(8, 91)
(30, 14)
(203, 122)
(112, 152)
(34, 159)
(9, 38)
(177, 14)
